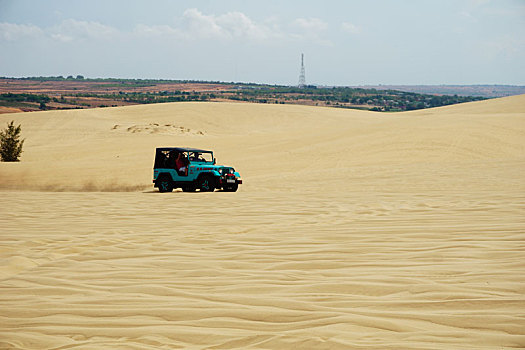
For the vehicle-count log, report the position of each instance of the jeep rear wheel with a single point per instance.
(206, 183)
(164, 184)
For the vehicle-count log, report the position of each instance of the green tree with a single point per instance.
(10, 143)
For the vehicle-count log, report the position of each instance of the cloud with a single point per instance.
(66, 31)
(13, 32)
(143, 30)
(226, 27)
(194, 25)
(310, 29)
(310, 24)
(71, 29)
(231, 25)
(350, 28)
(62, 37)
(203, 26)
(240, 25)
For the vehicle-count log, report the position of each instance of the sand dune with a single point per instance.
(352, 229)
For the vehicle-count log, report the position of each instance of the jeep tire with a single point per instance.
(206, 183)
(164, 184)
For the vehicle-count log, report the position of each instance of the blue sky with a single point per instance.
(344, 42)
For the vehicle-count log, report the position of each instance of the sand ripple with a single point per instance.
(98, 270)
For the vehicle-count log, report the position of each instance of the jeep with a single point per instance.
(198, 171)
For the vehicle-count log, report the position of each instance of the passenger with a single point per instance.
(181, 164)
(172, 160)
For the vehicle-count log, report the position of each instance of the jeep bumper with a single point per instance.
(224, 181)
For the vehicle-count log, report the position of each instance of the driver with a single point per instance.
(195, 156)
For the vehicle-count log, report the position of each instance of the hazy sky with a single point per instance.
(344, 42)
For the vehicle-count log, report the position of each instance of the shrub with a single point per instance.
(10, 143)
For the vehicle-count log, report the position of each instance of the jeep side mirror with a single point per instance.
(214, 161)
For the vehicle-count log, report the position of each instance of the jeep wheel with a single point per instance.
(206, 183)
(231, 188)
(165, 185)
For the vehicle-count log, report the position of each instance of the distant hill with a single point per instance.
(487, 91)
(45, 93)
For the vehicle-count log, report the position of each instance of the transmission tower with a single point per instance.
(302, 79)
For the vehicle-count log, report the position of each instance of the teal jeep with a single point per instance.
(192, 169)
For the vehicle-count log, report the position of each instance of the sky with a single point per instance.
(345, 42)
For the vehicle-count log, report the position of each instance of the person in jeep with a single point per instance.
(196, 157)
(171, 158)
(181, 164)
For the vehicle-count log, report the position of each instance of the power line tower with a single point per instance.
(302, 79)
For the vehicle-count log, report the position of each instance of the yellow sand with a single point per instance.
(352, 230)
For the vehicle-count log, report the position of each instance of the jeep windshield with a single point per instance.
(201, 157)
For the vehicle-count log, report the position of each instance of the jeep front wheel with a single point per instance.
(206, 183)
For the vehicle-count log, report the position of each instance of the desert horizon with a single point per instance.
(352, 229)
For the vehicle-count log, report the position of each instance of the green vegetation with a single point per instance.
(10, 143)
(368, 99)
(9, 97)
(118, 81)
(87, 91)
(24, 100)
(150, 97)
(345, 97)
